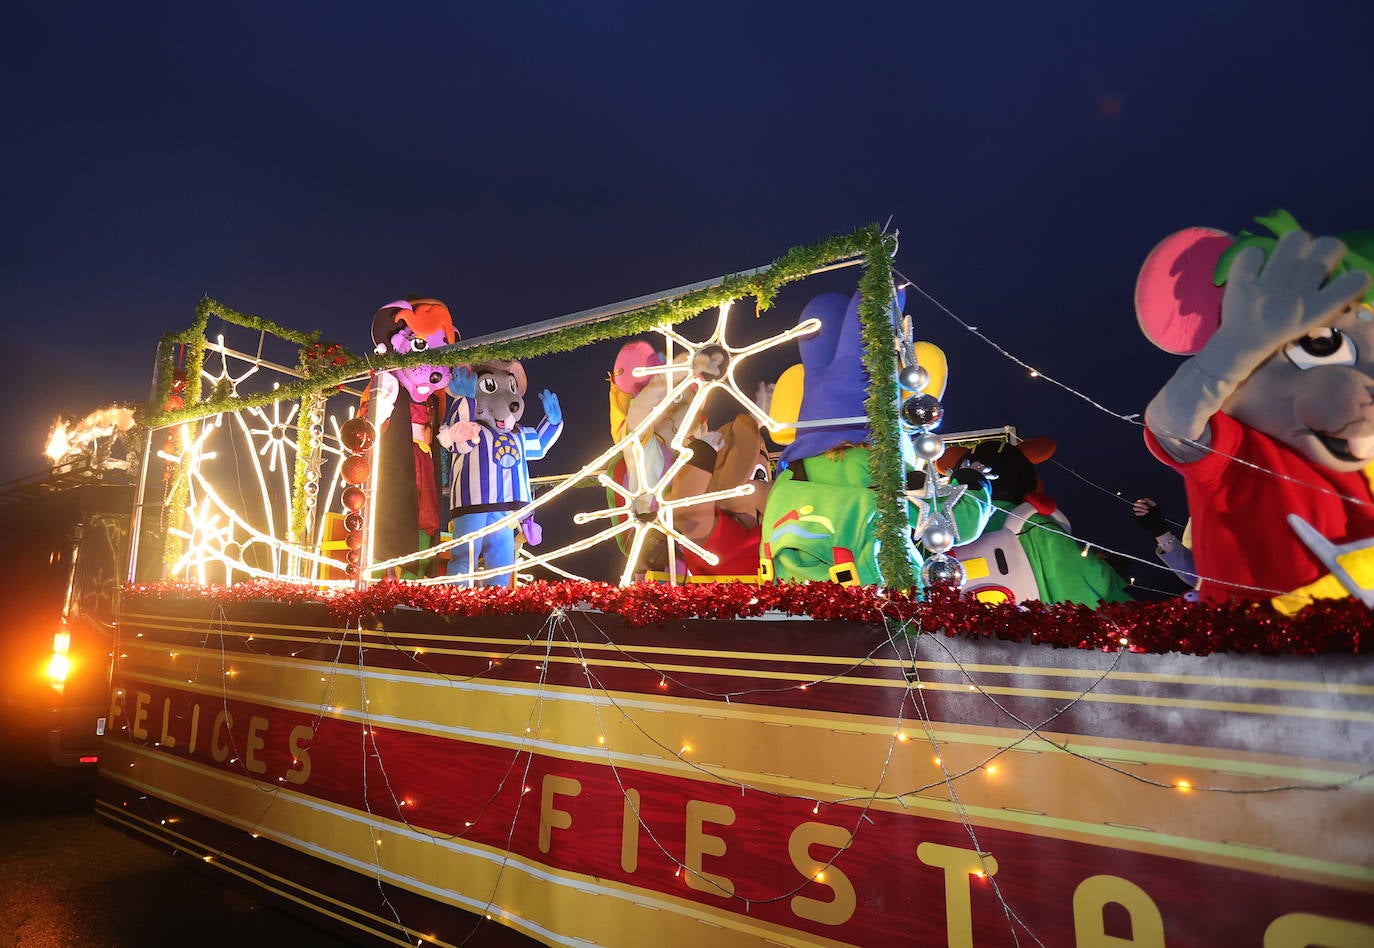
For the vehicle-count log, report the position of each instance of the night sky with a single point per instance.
(521, 161)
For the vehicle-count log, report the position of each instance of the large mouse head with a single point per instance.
(500, 399)
(1313, 392)
(416, 325)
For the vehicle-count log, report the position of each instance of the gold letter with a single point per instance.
(299, 734)
(700, 842)
(217, 750)
(1096, 892)
(1301, 930)
(195, 726)
(255, 744)
(167, 739)
(629, 832)
(958, 865)
(550, 817)
(137, 729)
(840, 908)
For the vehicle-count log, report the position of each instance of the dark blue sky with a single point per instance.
(520, 161)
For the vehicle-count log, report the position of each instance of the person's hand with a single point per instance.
(460, 436)
(1150, 516)
(552, 410)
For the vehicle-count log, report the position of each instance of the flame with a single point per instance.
(67, 439)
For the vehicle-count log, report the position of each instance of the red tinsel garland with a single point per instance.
(1328, 626)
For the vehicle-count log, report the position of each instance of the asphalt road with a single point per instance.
(68, 880)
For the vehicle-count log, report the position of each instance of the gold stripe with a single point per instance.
(1275, 710)
(373, 640)
(295, 678)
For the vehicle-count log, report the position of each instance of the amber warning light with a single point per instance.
(59, 665)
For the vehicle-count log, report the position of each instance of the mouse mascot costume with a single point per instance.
(1271, 415)
(490, 447)
(406, 406)
(821, 518)
(1026, 551)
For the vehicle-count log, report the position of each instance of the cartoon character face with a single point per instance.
(1316, 394)
(743, 459)
(420, 381)
(500, 399)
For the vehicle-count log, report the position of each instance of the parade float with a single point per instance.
(469, 758)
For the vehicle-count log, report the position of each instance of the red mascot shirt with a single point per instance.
(735, 544)
(1241, 536)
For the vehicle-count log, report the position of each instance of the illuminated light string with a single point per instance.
(1032, 370)
(988, 870)
(558, 619)
(1134, 418)
(1090, 545)
(594, 684)
(1117, 495)
(373, 827)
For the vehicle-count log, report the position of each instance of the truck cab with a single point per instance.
(63, 554)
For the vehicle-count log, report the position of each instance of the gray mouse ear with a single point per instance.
(389, 320)
(518, 370)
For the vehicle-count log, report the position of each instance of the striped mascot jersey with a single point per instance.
(491, 474)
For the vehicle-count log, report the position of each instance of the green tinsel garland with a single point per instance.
(797, 263)
(880, 360)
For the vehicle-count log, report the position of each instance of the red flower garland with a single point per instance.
(1328, 626)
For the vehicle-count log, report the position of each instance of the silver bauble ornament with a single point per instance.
(941, 570)
(922, 411)
(913, 378)
(937, 538)
(929, 447)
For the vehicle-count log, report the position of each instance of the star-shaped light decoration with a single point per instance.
(222, 383)
(275, 432)
(700, 369)
(206, 541)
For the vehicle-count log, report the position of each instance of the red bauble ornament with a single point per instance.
(353, 498)
(353, 521)
(354, 540)
(356, 469)
(179, 381)
(174, 402)
(353, 557)
(357, 434)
